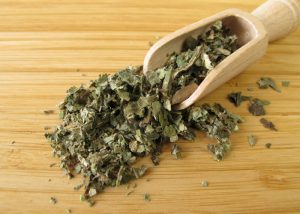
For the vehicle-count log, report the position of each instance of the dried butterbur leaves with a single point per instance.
(268, 145)
(176, 151)
(53, 200)
(147, 197)
(236, 98)
(267, 82)
(285, 83)
(117, 119)
(204, 183)
(252, 140)
(256, 107)
(48, 111)
(268, 124)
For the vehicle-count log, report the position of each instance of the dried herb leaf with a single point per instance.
(204, 183)
(117, 119)
(176, 151)
(47, 128)
(147, 197)
(53, 200)
(268, 145)
(267, 82)
(285, 83)
(48, 111)
(68, 211)
(236, 98)
(78, 187)
(256, 108)
(130, 192)
(268, 124)
(252, 140)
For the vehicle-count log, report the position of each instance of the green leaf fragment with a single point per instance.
(68, 210)
(204, 183)
(268, 124)
(268, 145)
(252, 140)
(53, 200)
(267, 82)
(285, 83)
(176, 151)
(147, 197)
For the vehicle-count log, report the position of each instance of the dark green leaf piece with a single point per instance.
(268, 145)
(268, 124)
(147, 197)
(256, 108)
(267, 82)
(236, 98)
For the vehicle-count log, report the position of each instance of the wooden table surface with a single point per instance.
(47, 46)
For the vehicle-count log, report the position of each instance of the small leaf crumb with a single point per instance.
(129, 193)
(176, 151)
(204, 183)
(147, 197)
(252, 140)
(285, 83)
(268, 145)
(68, 211)
(53, 200)
(48, 111)
(52, 164)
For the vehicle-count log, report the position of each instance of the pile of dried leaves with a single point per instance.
(117, 119)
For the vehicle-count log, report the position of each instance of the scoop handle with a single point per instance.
(280, 17)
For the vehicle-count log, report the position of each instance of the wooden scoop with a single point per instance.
(273, 20)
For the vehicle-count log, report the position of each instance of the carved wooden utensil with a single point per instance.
(273, 20)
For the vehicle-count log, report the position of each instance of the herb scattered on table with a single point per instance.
(252, 140)
(236, 98)
(147, 197)
(285, 83)
(176, 151)
(68, 211)
(267, 82)
(88, 200)
(48, 111)
(130, 192)
(52, 164)
(268, 124)
(110, 124)
(256, 107)
(268, 145)
(53, 200)
(204, 183)
(78, 186)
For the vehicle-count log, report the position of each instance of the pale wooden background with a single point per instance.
(43, 43)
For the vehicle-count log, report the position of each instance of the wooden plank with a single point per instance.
(48, 46)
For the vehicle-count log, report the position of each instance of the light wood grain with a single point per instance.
(44, 43)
